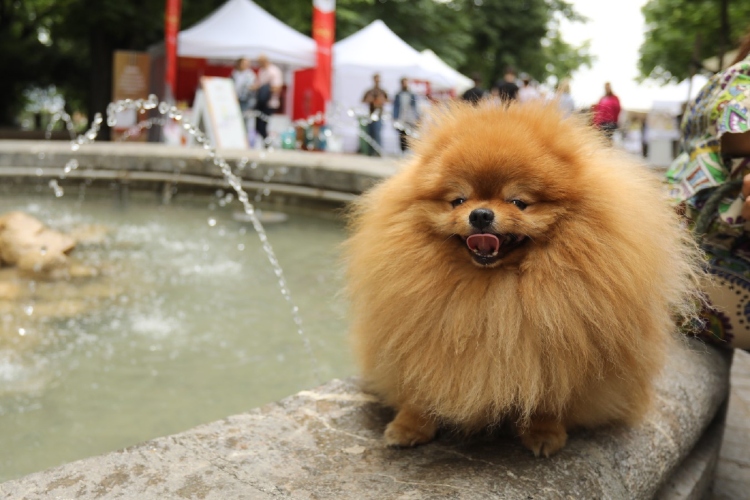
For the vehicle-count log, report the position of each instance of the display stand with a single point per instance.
(216, 110)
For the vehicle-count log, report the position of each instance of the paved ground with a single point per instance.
(732, 480)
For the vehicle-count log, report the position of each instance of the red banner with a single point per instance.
(171, 28)
(324, 30)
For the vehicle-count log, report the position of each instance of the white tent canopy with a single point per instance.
(432, 62)
(377, 46)
(240, 28)
(377, 49)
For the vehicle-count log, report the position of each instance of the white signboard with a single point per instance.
(217, 108)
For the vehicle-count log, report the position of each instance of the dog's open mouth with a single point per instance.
(488, 248)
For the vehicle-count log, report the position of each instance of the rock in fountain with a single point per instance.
(32, 247)
(38, 251)
(31, 251)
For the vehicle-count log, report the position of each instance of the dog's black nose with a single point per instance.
(481, 218)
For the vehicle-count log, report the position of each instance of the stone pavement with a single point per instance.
(732, 480)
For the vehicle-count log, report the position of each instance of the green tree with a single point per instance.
(438, 25)
(70, 43)
(674, 27)
(524, 35)
(25, 49)
(478, 36)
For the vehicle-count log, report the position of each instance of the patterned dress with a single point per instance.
(720, 108)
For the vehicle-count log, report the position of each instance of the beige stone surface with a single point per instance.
(327, 443)
(328, 176)
(10, 290)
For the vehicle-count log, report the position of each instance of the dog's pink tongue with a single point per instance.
(483, 243)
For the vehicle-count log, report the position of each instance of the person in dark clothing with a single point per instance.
(268, 87)
(376, 97)
(507, 88)
(405, 113)
(476, 93)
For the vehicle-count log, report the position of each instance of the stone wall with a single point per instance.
(318, 173)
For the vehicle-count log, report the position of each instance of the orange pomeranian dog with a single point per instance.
(517, 270)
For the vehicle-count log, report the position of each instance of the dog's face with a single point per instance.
(496, 192)
(494, 224)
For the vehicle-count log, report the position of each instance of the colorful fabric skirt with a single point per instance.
(727, 316)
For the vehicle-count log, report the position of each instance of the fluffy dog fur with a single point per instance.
(566, 329)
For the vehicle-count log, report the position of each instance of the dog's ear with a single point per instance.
(432, 137)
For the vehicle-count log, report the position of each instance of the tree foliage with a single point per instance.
(673, 27)
(70, 42)
(523, 35)
(474, 36)
(22, 54)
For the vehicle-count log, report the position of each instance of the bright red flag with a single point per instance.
(324, 30)
(171, 28)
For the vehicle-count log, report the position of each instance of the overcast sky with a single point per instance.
(615, 29)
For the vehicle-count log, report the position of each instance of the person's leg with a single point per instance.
(260, 127)
(609, 130)
(403, 136)
(260, 122)
(377, 127)
(371, 132)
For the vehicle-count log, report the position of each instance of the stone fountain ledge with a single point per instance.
(326, 443)
(336, 177)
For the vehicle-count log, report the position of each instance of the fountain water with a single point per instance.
(65, 118)
(142, 312)
(171, 112)
(180, 326)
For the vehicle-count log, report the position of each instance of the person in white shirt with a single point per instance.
(564, 99)
(527, 92)
(405, 113)
(244, 84)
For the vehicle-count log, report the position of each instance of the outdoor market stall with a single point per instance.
(376, 49)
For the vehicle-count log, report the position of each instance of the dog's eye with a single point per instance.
(457, 202)
(521, 205)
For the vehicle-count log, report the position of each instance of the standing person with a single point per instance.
(269, 85)
(607, 111)
(405, 112)
(564, 99)
(495, 97)
(527, 92)
(244, 83)
(376, 97)
(506, 88)
(476, 93)
(710, 180)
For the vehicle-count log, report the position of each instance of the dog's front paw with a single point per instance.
(408, 429)
(404, 437)
(544, 437)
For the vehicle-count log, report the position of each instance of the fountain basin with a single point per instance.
(327, 443)
(180, 323)
(334, 177)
